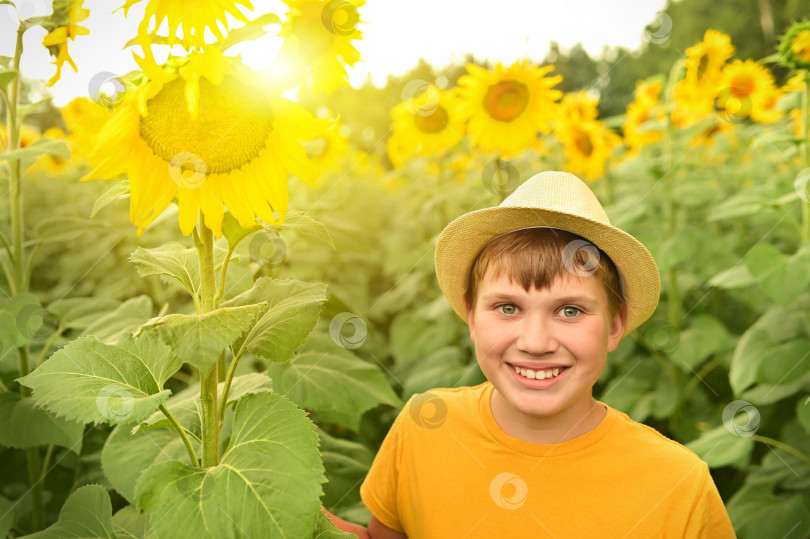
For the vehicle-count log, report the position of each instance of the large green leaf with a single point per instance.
(705, 336)
(293, 310)
(78, 313)
(234, 232)
(129, 523)
(199, 339)
(757, 512)
(719, 447)
(346, 464)
(414, 336)
(780, 276)
(89, 380)
(65, 228)
(268, 482)
(327, 377)
(6, 516)
(172, 260)
(303, 224)
(117, 191)
(26, 425)
(87, 514)
(327, 530)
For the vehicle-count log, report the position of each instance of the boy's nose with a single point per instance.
(535, 336)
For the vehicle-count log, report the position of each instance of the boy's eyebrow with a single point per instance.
(504, 295)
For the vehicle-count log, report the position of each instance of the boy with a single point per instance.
(548, 287)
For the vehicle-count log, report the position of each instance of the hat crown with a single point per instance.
(560, 192)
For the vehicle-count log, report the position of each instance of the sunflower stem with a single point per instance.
(805, 124)
(222, 273)
(783, 446)
(223, 402)
(204, 241)
(189, 448)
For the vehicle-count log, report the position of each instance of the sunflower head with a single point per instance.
(705, 59)
(794, 48)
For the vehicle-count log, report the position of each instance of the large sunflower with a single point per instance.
(318, 38)
(505, 108)
(748, 89)
(234, 153)
(193, 17)
(64, 26)
(423, 126)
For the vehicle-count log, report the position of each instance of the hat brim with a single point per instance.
(462, 240)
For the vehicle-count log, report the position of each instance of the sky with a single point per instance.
(395, 35)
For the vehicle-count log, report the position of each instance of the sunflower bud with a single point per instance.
(794, 48)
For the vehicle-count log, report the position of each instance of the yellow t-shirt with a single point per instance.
(447, 470)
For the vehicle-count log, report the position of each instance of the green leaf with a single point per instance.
(304, 225)
(250, 31)
(326, 377)
(89, 380)
(65, 228)
(79, 313)
(25, 425)
(719, 447)
(171, 259)
(233, 231)
(443, 368)
(413, 337)
(129, 523)
(126, 455)
(6, 516)
(327, 530)
(26, 319)
(293, 311)
(87, 513)
(199, 339)
(705, 336)
(757, 512)
(5, 79)
(346, 463)
(127, 317)
(268, 480)
(735, 277)
(41, 146)
(803, 414)
(117, 191)
(780, 276)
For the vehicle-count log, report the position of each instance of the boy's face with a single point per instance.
(567, 326)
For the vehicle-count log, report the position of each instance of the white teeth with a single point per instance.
(536, 375)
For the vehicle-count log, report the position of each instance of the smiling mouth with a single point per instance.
(543, 374)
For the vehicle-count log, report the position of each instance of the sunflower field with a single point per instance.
(214, 303)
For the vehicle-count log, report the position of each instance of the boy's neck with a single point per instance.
(561, 427)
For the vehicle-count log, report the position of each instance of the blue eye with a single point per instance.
(508, 309)
(570, 312)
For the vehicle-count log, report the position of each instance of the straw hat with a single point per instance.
(556, 200)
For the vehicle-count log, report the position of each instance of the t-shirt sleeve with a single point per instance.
(379, 490)
(709, 518)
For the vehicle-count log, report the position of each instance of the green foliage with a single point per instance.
(87, 513)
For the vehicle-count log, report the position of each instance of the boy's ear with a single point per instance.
(617, 328)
